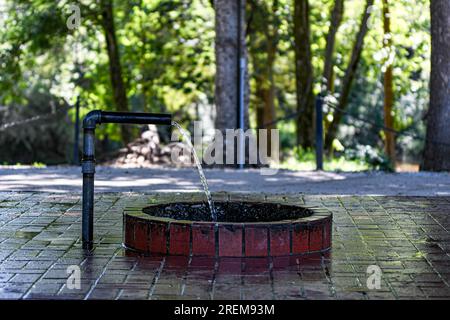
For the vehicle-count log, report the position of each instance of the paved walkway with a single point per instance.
(68, 179)
(406, 237)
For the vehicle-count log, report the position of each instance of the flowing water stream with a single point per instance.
(187, 138)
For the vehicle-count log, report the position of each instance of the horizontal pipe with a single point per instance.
(98, 117)
(135, 117)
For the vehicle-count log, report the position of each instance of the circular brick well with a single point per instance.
(243, 229)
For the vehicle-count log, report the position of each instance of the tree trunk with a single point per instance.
(336, 19)
(437, 149)
(349, 75)
(115, 69)
(389, 145)
(265, 92)
(264, 39)
(227, 65)
(303, 75)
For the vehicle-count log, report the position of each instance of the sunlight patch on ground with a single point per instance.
(334, 165)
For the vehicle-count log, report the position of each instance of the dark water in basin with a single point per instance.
(229, 211)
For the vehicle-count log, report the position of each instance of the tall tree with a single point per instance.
(303, 74)
(264, 39)
(349, 75)
(112, 47)
(336, 19)
(227, 64)
(437, 155)
(389, 136)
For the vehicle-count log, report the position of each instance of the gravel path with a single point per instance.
(68, 179)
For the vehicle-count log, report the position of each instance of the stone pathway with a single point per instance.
(68, 179)
(406, 237)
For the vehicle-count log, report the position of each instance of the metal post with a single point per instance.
(241, 114)
(88, 170)
(240, 157)
(319, 133)
(76, 145)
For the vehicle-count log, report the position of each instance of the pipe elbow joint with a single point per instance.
(92, 119)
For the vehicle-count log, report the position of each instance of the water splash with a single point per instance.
(187, 139)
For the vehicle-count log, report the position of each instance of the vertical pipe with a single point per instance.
(88, 163)
(88, 211)
(241, 114)
(88, 169)
(240, 63)
(319, 133)
(76, 145)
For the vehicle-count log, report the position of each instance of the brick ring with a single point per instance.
(151, 230)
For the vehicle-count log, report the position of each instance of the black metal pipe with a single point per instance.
(88, 170)
(135, 118)
(88, 211)
(240, 68)
(90, 122)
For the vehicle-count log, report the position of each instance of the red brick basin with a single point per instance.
(150, 233)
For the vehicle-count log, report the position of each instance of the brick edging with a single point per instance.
(149, 234)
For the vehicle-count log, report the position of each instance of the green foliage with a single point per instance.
(337, 164)
(45, 141)
(363, 158)
(168, 53)
(411, 41)
(375, 159)
(167, 56)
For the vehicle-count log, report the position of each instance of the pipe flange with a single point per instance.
(88, 167)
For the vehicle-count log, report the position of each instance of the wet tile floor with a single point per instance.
(406, 237)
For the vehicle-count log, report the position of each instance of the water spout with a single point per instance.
(187, 138)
